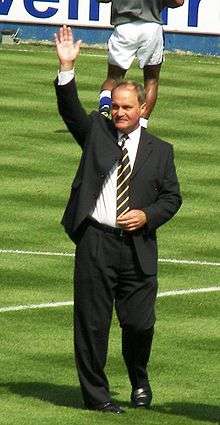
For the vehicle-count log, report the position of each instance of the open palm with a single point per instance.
(67, 49)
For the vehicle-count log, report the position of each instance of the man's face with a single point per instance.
(126, 110)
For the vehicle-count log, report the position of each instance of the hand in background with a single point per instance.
(172, 3)
(67, 48)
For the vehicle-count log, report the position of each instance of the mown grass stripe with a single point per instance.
(67, 303)
(199, 58)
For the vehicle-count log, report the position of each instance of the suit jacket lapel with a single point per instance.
(144, 150)
(108, 147)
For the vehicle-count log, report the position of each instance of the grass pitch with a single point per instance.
(38, 158)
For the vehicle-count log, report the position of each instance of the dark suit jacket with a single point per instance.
(154, 186)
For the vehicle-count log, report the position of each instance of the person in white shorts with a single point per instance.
(138, 32)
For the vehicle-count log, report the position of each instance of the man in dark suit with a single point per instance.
(124, 189)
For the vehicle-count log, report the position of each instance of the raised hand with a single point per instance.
(67, 48)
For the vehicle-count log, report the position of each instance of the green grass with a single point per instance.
(38, 382)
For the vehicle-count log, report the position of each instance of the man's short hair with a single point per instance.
(137, 87)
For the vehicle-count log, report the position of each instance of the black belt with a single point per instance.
(109, 229)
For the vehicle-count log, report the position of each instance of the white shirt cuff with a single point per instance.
(64, 77)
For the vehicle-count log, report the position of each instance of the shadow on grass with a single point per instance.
(197, 411)
(68, 396)
(60, 395)
(61, 131)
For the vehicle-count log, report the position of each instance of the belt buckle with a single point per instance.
(121, 233)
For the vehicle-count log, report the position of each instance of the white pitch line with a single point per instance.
(188, 291)
(67, 303)
(201, 263)
(52, 51)
(35, 306)
(47, 253)
(67, 254)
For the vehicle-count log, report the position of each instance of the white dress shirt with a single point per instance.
(105, 208)
(64, 77)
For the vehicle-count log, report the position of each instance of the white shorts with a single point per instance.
(140, 39)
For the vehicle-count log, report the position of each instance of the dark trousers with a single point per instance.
(107, 272)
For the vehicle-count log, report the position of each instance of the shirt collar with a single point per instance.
(134, 133)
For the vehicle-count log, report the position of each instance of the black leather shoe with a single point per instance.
(109, 407)
(141, 397)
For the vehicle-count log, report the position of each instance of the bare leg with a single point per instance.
(114, 74)
(151, 83)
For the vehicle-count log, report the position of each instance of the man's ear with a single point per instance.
(143, 109)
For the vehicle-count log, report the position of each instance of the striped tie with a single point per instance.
(123, 175)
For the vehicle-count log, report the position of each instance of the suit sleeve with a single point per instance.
(74, 115)
(169, 199)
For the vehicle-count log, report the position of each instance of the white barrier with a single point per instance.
(195, 16)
